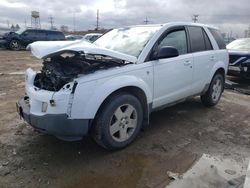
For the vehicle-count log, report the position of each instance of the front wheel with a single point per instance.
(213, 94)
(14, 45)
(118, 122)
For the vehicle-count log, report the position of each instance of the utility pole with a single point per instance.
(195, 18)
(74, 22)
(51, 21)
(97, 20)
(8, 23)
(25, 23)
(146, 21)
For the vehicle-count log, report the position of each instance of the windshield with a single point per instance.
(240, 44)
(20, 31)
(129, 40)
(87, 37)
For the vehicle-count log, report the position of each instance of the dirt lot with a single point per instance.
(176, 137)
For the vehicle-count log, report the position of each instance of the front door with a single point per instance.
(173, 76)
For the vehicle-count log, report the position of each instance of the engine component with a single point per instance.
(64, 67)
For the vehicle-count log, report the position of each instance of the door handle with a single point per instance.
(212, 58)
(187, 63)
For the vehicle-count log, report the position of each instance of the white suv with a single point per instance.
(110, 87)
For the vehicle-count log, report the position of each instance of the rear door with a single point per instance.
(204, 57)
(40, 35)
(173, 76)
(55, 35)
(28, 36)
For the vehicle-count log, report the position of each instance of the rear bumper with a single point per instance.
(58, 125)
(3, 43)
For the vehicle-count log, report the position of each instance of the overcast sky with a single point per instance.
(228, 15)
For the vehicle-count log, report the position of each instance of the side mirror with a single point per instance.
(167, 52)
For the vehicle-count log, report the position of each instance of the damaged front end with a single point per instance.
(50, 92)
(64, 67)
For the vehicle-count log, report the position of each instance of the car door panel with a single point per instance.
(172, 79)
(27, 37)
(203, 64)
(204, 57)
(173, 76)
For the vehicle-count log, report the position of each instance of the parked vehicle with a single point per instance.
(23, 37)
(239, 58)
(73, 37)
(109, 88)
(91, 37)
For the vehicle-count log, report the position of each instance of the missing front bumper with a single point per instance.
(55, 124)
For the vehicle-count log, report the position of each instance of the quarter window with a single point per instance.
(176, 39)
(219, 39)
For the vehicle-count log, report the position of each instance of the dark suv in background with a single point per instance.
(21, 38)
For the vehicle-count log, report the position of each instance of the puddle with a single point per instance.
(122, 174)
(132, 170)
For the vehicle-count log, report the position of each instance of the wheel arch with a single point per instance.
(135, 91)
(218, 68)
(89, 97)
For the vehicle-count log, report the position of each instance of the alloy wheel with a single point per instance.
(123, 123)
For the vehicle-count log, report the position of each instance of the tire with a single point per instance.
(118, 122)
(213, 94)
(14, 45)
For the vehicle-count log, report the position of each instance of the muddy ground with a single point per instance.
(175, 139)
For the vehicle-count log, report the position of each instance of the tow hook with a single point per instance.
(52, 102)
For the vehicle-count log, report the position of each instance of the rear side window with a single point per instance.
(53, 35)
(218, 38)
(30, 33)
(59, 36)
(196, 39)
(41, 35)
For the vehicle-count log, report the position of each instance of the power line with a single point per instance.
(74, 22)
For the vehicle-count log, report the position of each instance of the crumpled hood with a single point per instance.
(44, 49)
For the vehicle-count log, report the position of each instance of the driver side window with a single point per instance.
(176, 39)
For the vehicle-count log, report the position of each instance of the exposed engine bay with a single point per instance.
(64, 66)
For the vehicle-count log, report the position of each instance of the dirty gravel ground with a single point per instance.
(175, 139)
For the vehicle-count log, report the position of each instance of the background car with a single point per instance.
(73, 37)
(91, 37)
(239, 58)
(23, 37)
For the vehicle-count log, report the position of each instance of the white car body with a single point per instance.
(163, 81)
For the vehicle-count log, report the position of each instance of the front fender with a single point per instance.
(89, 96)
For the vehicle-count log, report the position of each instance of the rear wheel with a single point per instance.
(118, 122)
(14, 45)
(213, 94)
